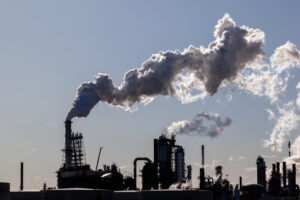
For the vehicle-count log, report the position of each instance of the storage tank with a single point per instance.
(179, 164)
(149, 174)
(4, 191)
(163, 161)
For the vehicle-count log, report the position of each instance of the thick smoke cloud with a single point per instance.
(176, 73)
(203, 124)
(234, 58)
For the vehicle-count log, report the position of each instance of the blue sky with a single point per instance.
(49, 48)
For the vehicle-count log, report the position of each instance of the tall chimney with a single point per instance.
(189, 172)
(22, 177)
(278, 167)
(289, 148)
(202, 178)
(294, 173)
(273, 168)
(241, 183)
(202, 148)
(68, 150)
(284, 174)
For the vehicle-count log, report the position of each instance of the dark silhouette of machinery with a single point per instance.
(168, 169)
(75, 173)
(261, 171)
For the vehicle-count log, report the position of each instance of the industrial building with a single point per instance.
(166, 176)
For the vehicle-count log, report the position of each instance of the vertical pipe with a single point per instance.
(284, 173)
(22, 177)
(294, 174)
(278, 167)
(98, 158)
(202, 148)
(68, 150)
(241, 183)
(289, 148)
(189, 174)
(202, 179)
(273, 168)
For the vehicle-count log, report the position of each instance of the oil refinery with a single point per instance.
(165, 176)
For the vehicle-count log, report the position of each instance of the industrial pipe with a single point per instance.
(202, 148)
(241, 183)
(284, 173)
(22, 177)
(68, 150)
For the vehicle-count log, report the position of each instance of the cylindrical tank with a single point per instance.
(179, 164)
(149, 176)
(163, 150)
(4, 191)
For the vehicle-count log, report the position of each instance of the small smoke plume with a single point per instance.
(176, 73)
(295, 155)
(181, 186)
(203, 124)
(286, 122)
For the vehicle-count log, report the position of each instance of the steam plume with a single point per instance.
(295, 154)
(203, 124)
(286, 122)
(176, 73)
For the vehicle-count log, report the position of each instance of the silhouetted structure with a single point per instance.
(261, 171)
(22, 176)
(75, 173)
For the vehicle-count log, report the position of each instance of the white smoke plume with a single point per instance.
(203, 124)
(165, 73)
(286, 122)
(271, 80)
(235, 57)
(298, 96)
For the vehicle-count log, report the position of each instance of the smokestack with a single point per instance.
(289, 148)
(202, 155)
(278, 167)
(273, 168)
(241, 183)
(189, 172)
(284, 174)
(22, 177)
(294, 170)
(68, 150)
(202, 179)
